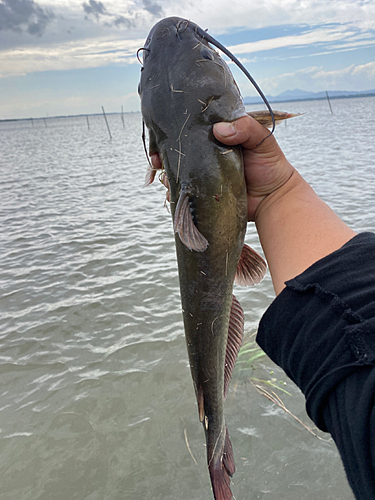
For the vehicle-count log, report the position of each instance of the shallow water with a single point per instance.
(96, 395)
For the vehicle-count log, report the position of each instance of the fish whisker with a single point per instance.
(142, 48)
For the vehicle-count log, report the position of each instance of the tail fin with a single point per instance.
(221, 469)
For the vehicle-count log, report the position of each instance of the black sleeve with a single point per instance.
(321, 331)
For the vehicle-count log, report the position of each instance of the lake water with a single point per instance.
(96, 398)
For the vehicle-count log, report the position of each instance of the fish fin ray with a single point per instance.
(251, 267)
(220, 481)
(221, 471)
(150, 176)
(264, 117)
(184, 226)
(235, 334)
(228, 456)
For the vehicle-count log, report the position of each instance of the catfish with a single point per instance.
(185, 88)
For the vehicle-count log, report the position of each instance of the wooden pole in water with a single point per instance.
(105, 117)
(32, 121)
(329, 102)
(88, 123)
(45, 123)
(122, 116)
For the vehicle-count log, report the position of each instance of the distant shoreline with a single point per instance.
(251, 103)
(323, 98)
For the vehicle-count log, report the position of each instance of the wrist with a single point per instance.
(289, 181)
(296, 228)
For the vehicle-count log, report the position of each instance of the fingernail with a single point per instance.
(225, 129)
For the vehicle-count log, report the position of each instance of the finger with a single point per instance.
(245, 131)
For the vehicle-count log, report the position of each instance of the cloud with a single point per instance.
(98, 10)
(56, 105)
(120, 21)
(95, 8)
(310, 37)
(153, 8)
(316, 78)
(24, 15)
(72, 55)
(351, 75)
(217, 17)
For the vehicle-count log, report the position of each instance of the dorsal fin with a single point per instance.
(185, 227)
(235, 334)
(251, 267)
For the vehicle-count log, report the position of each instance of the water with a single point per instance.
(96, 394)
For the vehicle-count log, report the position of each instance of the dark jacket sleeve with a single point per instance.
(321, 331)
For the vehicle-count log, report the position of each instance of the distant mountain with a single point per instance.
(302, 95)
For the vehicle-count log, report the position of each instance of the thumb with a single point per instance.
(245, 131)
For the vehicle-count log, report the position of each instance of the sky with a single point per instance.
(68, 57)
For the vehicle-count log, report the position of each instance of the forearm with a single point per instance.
(296, 228)
(321, 331)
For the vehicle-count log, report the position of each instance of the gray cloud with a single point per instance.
(153, 8)
(122, 21)
(98, 9)
(24, 15)
(95, 8)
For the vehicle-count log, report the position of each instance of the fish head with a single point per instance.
(183, 75)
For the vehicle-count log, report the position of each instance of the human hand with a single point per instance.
(266, 168)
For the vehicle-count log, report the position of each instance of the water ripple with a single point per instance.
(95, 385)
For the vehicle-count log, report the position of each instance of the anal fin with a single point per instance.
(251, 267)
(235, 334)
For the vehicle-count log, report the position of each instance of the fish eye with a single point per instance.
(207, 53)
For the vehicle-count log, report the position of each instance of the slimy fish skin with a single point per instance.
(185, 88)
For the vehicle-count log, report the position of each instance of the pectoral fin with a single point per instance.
(150, 176)
(184, 225)
(235, 334)
(251, 267)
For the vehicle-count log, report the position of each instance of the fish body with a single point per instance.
(185, 88)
